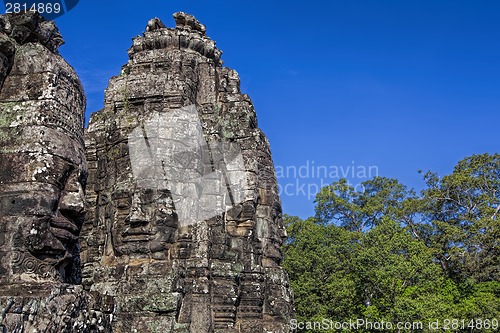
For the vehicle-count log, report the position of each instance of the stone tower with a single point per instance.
(42, 178)
(183, 228)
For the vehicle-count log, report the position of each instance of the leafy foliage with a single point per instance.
(463, 209)
(388, 254)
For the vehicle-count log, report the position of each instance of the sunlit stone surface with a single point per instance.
(42, 178)
(184, 224)
(166, 218)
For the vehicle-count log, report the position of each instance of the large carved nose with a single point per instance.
(73, 202)
(137, 217)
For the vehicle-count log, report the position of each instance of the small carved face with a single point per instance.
(49, 34)
(144, 222)
(273, 248)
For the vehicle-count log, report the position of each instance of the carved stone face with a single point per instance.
(144, 222)
(62, 215)
(49, 35)
(42, 161)
(42, 208)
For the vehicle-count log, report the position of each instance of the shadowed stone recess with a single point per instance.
(183, 227)
(42, 179)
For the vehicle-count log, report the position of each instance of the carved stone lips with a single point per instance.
(137, 238)
(64, 229)
(141, 234)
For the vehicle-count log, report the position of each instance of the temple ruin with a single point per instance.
(179, 229)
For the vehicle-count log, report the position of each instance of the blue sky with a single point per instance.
(396, 85)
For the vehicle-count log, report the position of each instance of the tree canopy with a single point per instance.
(388, 254)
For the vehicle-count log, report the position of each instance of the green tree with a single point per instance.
(397, 277)
(389, 254)
(319, 261)
(463, 209)
(382, 198)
